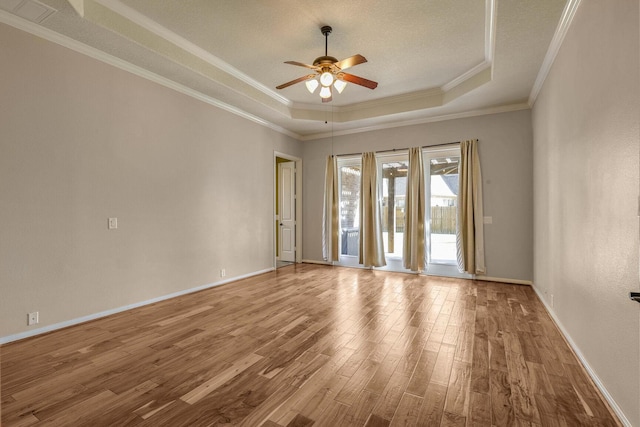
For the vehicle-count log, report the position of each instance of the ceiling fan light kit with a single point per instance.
(329, 72)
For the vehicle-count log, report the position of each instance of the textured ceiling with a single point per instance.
(432, 58)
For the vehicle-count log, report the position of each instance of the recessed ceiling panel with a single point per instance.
(410, 45)
(432, 59)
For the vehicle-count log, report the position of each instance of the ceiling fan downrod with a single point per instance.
(326, 30)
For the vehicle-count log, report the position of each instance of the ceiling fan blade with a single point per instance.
(300, 64)
(350, 62)
(358, 80)
(298, 80)
(327, 99)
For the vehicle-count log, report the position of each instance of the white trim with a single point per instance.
(489, 48)
(503, 280)
(444, 117)
(490, 30)
(69, 43)
(184, 44)
(52, 36)
(313, 261)
(465, 76)
(299, 199)
(605, 393)
(83, 319)
(462, 276)
(554, 47)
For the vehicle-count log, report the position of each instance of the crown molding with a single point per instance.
(129, 23)
(439, 118)
(184, 44)
(568, 13)
(420, 100)
(69, 43)
(490, 30)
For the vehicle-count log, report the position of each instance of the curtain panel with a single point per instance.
(371, 244)
(413, 255)
(470, 236)
(330, 226)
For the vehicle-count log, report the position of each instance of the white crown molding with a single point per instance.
(489, 49)
(424, 99)
(490, 30)
(466, 76)
(421, 100)
(568, 13)
(391, 100)
(49, 35)
(440, 118)
(184, 44)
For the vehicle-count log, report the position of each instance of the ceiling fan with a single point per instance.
(330, 72)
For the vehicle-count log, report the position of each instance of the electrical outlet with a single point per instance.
(222, 272)
(113, 223)
(33, 318)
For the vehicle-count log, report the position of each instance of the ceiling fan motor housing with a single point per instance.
(326, 29)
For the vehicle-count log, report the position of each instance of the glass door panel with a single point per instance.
(393, 175)
(442, 177)
(349, 198)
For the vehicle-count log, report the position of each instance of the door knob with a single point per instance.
(635, 296)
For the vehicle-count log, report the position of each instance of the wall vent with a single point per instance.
(28, 9)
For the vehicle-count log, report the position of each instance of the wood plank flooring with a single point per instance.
(309, 345)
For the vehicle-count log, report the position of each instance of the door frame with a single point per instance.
(298, 219)
(436, 268)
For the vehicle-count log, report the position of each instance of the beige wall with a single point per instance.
(586, 158)
(505, 150)
(192, 187)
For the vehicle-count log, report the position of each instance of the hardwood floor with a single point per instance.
(309, 345)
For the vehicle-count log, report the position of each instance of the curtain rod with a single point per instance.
(400, 149)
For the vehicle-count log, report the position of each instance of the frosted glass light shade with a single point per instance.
(325, 92)
(312, 85)
(340, 85)
(326, 79)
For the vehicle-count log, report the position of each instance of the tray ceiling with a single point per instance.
(432, 59)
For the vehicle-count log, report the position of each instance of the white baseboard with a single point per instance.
(605, 393)
(83, 319)
(503, 280)
(313, 261)
(460, 276)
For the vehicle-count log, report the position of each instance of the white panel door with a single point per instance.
(287, 173)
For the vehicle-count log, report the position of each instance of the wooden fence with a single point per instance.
(443, 220)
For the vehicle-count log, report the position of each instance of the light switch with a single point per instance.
(113, 223)
(488, 220)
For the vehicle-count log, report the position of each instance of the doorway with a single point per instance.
(287, 207)
(441, 176)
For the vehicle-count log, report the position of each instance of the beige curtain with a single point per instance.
(330, 226)
(470, 236)
(371, 244)
(414, 214)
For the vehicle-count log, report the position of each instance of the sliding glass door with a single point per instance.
(441, 188)
(349, 198)
(441, 173)
(392, 173)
